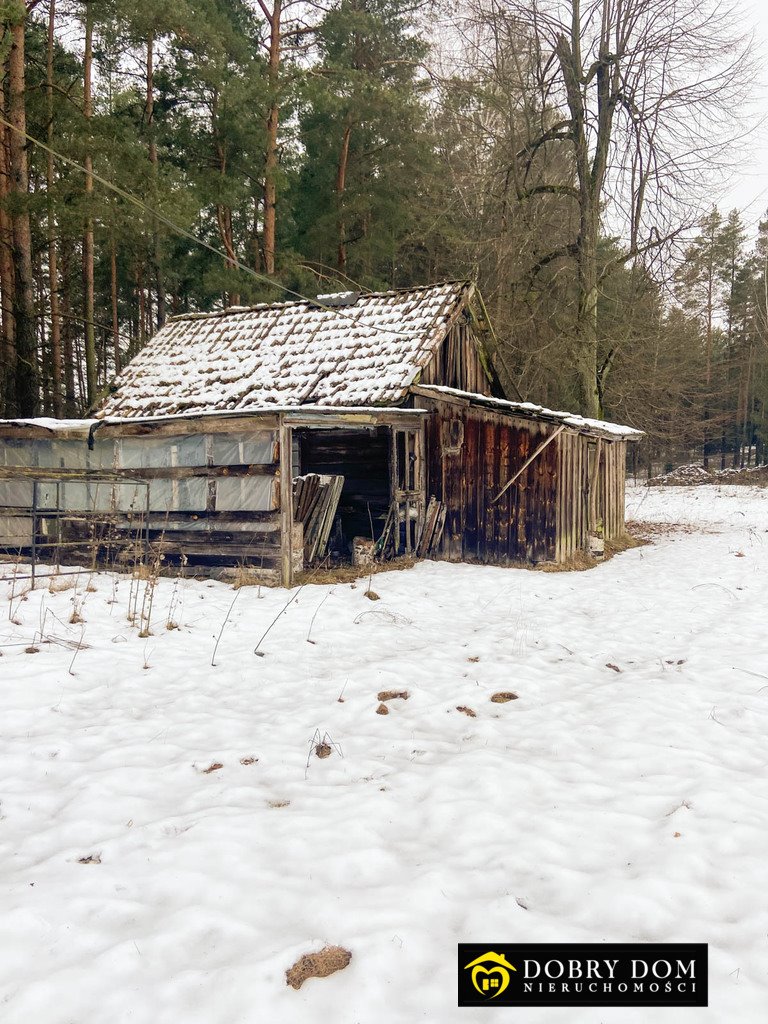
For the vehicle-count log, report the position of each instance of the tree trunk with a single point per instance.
(115, 320)
(7, 284)
(224, 220)
(586, 319)
(70, 400)
(53, 269)
(150, 110)
(273, 120)
(26, 397)
(341, 184)
(255, 243)
(88, 285)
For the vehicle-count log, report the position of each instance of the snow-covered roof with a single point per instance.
(42, 426)
(344, 351)
(538, 412)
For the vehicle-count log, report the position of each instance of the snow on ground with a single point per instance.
(608, 805)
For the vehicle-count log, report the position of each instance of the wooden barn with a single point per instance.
(273, 437)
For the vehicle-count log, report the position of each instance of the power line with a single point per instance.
(130, 198)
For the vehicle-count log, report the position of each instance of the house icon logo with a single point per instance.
(491, 980)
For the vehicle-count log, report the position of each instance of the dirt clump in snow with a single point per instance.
(393, 695)
(382, 709)
(212, 768)
(317, 965)
(466, 711)
(503, 697)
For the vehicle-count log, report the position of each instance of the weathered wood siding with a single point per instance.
(471, 454)
(457, 363)
(577, 514)
(572, 510)
(613, 483)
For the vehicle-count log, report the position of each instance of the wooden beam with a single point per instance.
(395, 418)
(140, 473)
(286, 504)
(201, 424)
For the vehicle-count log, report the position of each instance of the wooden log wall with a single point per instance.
(471, 454)
(457, 363)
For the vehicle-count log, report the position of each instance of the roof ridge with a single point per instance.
(259, 306)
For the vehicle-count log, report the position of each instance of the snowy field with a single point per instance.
(622, 797)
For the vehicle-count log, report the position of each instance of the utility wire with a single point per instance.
(130, 198)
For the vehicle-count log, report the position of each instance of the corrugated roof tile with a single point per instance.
(365, 353)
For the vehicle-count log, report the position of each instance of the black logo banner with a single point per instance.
(583, 974)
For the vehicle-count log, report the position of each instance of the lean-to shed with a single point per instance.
(260, 436)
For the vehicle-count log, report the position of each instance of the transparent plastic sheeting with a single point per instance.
(254, 449)
(189, 495)
(161, 452)
(56, 454)
(241, 449)
(164, 496)
(246, 494)
(15, 531)
(233, 494)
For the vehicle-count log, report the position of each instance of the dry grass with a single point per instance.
(580, 561)
(58, 584)
(623, 543)
(647, 531)
(352, 573)
(317, 965)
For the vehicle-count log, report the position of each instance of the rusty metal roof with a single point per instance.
(363, 351)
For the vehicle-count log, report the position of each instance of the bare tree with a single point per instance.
(648, 95)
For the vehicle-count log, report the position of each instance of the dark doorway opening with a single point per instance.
(362, 457)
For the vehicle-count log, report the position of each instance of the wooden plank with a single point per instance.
(504, 507)
(405, 419)
(202, 424)
(562, 484)
(139, 473)
(286, 506)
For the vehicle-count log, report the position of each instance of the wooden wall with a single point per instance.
(471, 454)
(584, 465)
(457, 363)
(572, 495)
(613, 480)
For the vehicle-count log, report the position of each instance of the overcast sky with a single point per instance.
(747, 188)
